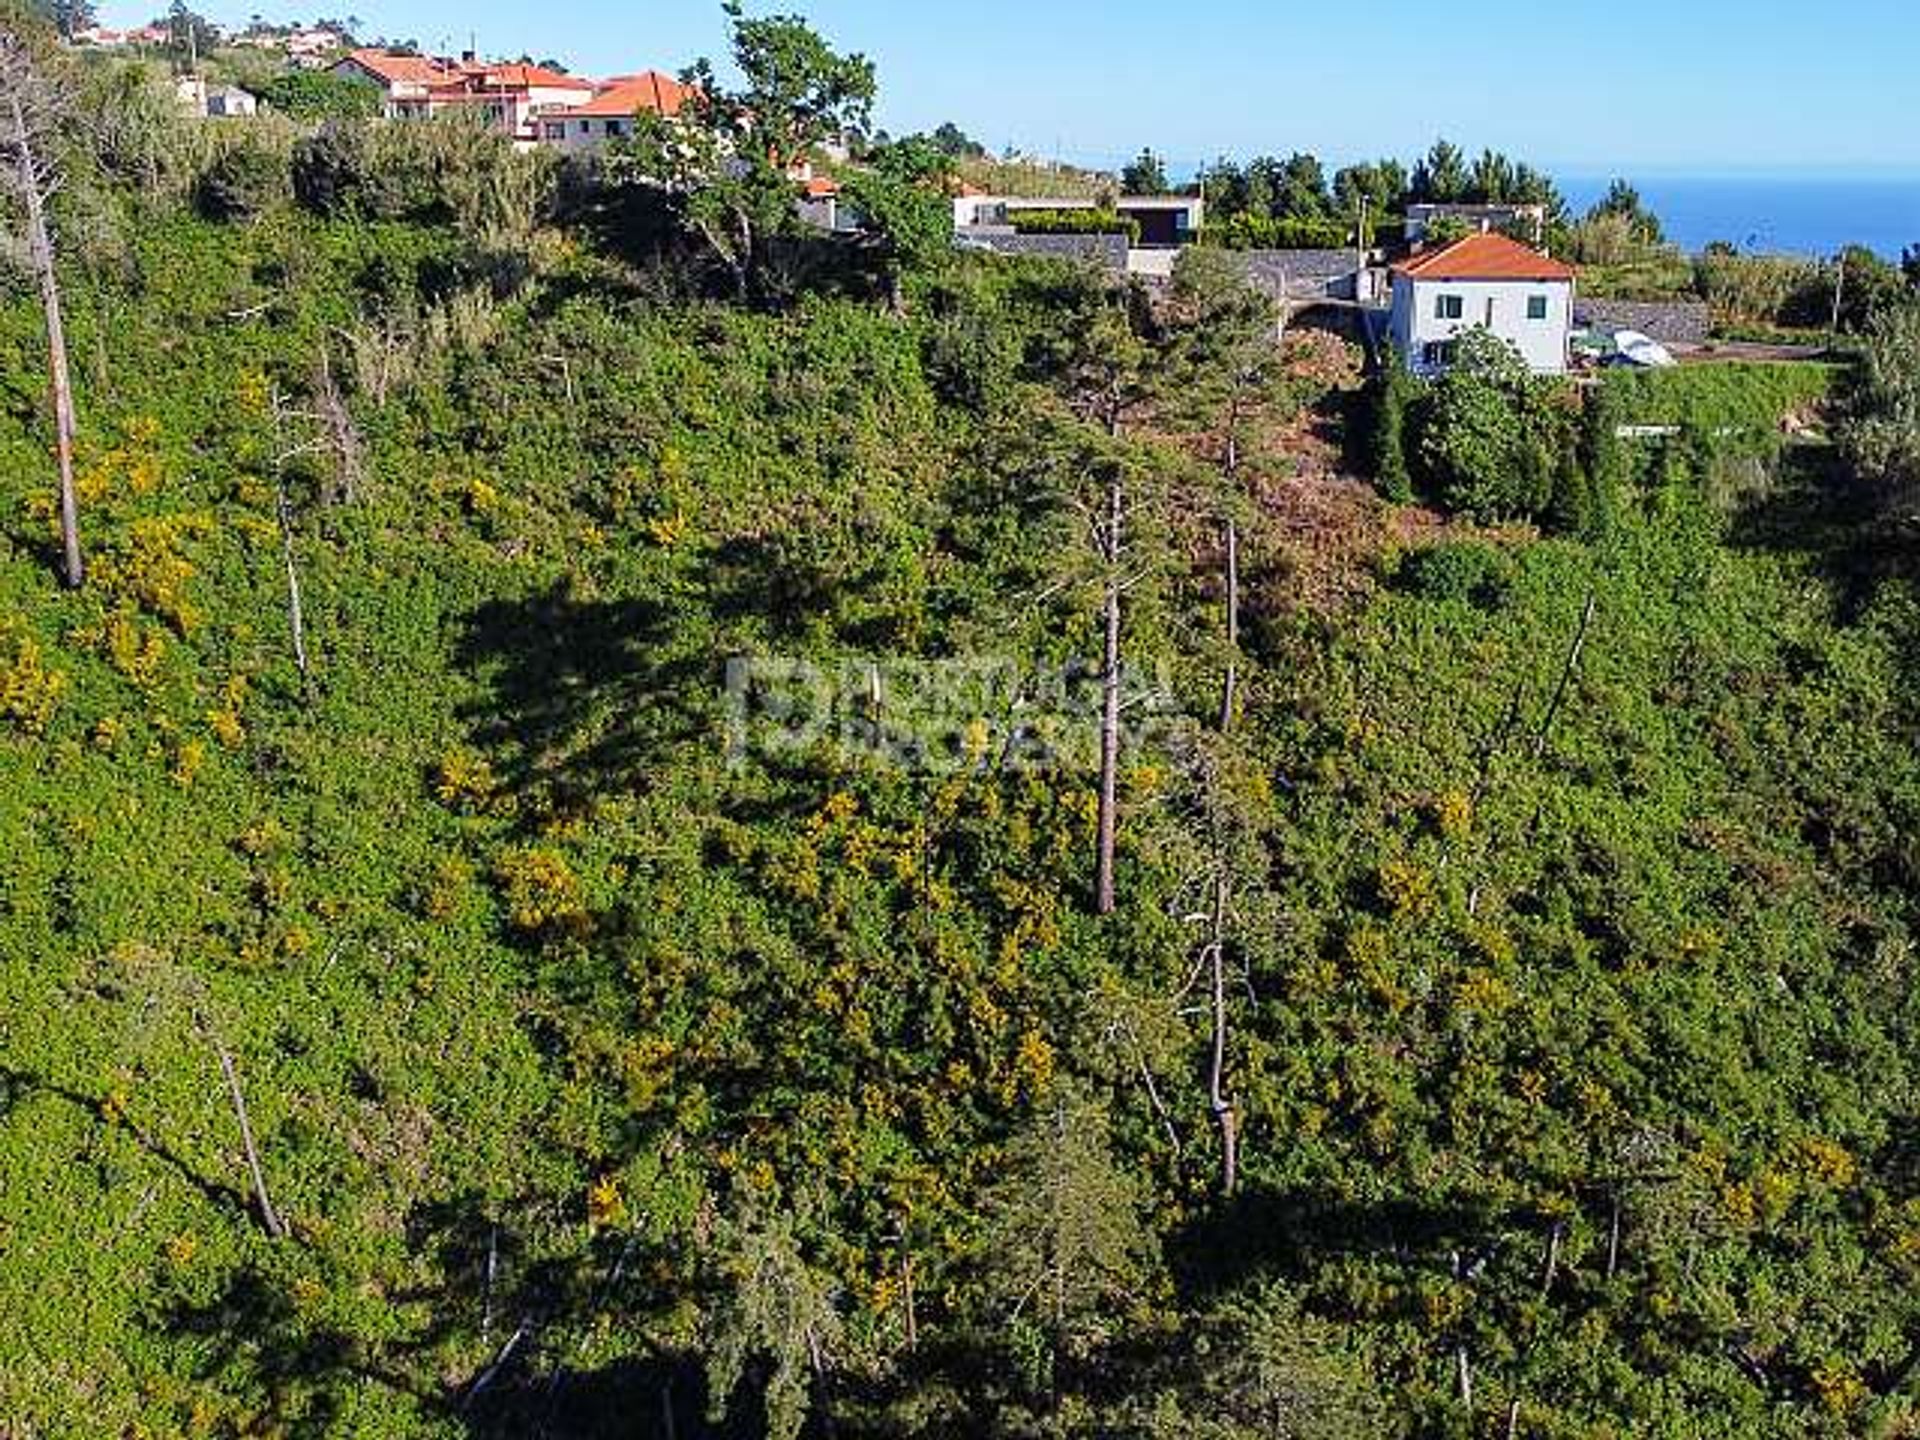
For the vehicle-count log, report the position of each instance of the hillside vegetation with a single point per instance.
(645, 927)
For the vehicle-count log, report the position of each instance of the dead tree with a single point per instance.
(31, 177)
(1108, 823)
(283, 453)
(340, 427)
(1224, 1115)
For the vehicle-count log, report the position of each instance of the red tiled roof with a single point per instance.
(526, 77)
(1484, 257)
(399, 69)
(481, 82)
(627, 96)
(822, 185)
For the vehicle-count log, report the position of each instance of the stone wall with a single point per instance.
(1108, 251)
(1671, 322)
(1301, 274)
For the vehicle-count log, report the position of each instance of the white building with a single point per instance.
(1165, 221)
(1484, 282)
(609, 113)
(214, 102)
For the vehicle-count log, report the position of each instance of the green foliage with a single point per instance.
(1394, 394)
(1881, 435)
(248, 177)
(1751, 398)
(590, 1049)
(1494, 433)
(1247, 231)
(901, 194)
(320, 95)
(1622, 203)
(1146, 174)
(1471, 572)
(1075, 222)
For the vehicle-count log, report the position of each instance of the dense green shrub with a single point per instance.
(1472, 572)
(1494, 434)
(1075, 222)
(1393, 394)
(242, 182)
(1250, 231)
(321, 95)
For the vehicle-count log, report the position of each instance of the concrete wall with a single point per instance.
(1496, 305)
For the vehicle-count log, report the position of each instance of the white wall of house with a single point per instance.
(574, 134)
(1533, 316)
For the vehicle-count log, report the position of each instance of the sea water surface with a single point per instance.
(1805, 214)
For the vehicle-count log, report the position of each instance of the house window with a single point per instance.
(1536, 307)
(1438, 354)
(1449, 307)
(556, 132)
(586, 127)
(616, 127)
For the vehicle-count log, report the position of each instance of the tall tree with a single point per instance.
(1066, 1246)
(1225, 357)
(69, 17)
(1441, 177)
(1110, 380)
(726, 161)
(31, 176)
(1303, 188)
(1623, 201)
(1145, 174)
(901, 195)
(1380, 184)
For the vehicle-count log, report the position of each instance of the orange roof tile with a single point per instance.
(1488, 256)
(822, 185)
(399, 69)
(628, 95)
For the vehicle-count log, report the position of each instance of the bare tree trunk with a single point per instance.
(1110, 703)
(296, 615)
(1223, 1112)
(1566, 676)
(1230, 685)
(1613, 1239)
(40, 249)
(346, 439)
(268, 1215)
(906, 1290)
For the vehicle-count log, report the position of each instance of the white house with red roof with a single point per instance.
(510, 97)
(608, 112)
(405, 80)
(1484, 282)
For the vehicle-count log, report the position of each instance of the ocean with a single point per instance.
(1799, 214)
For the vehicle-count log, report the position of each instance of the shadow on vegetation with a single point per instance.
(1818, 510)
(1281, 1234)
(585, 695)
(1814, 511)
(16, 1086)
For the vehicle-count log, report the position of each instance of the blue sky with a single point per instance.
(1639, 86)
